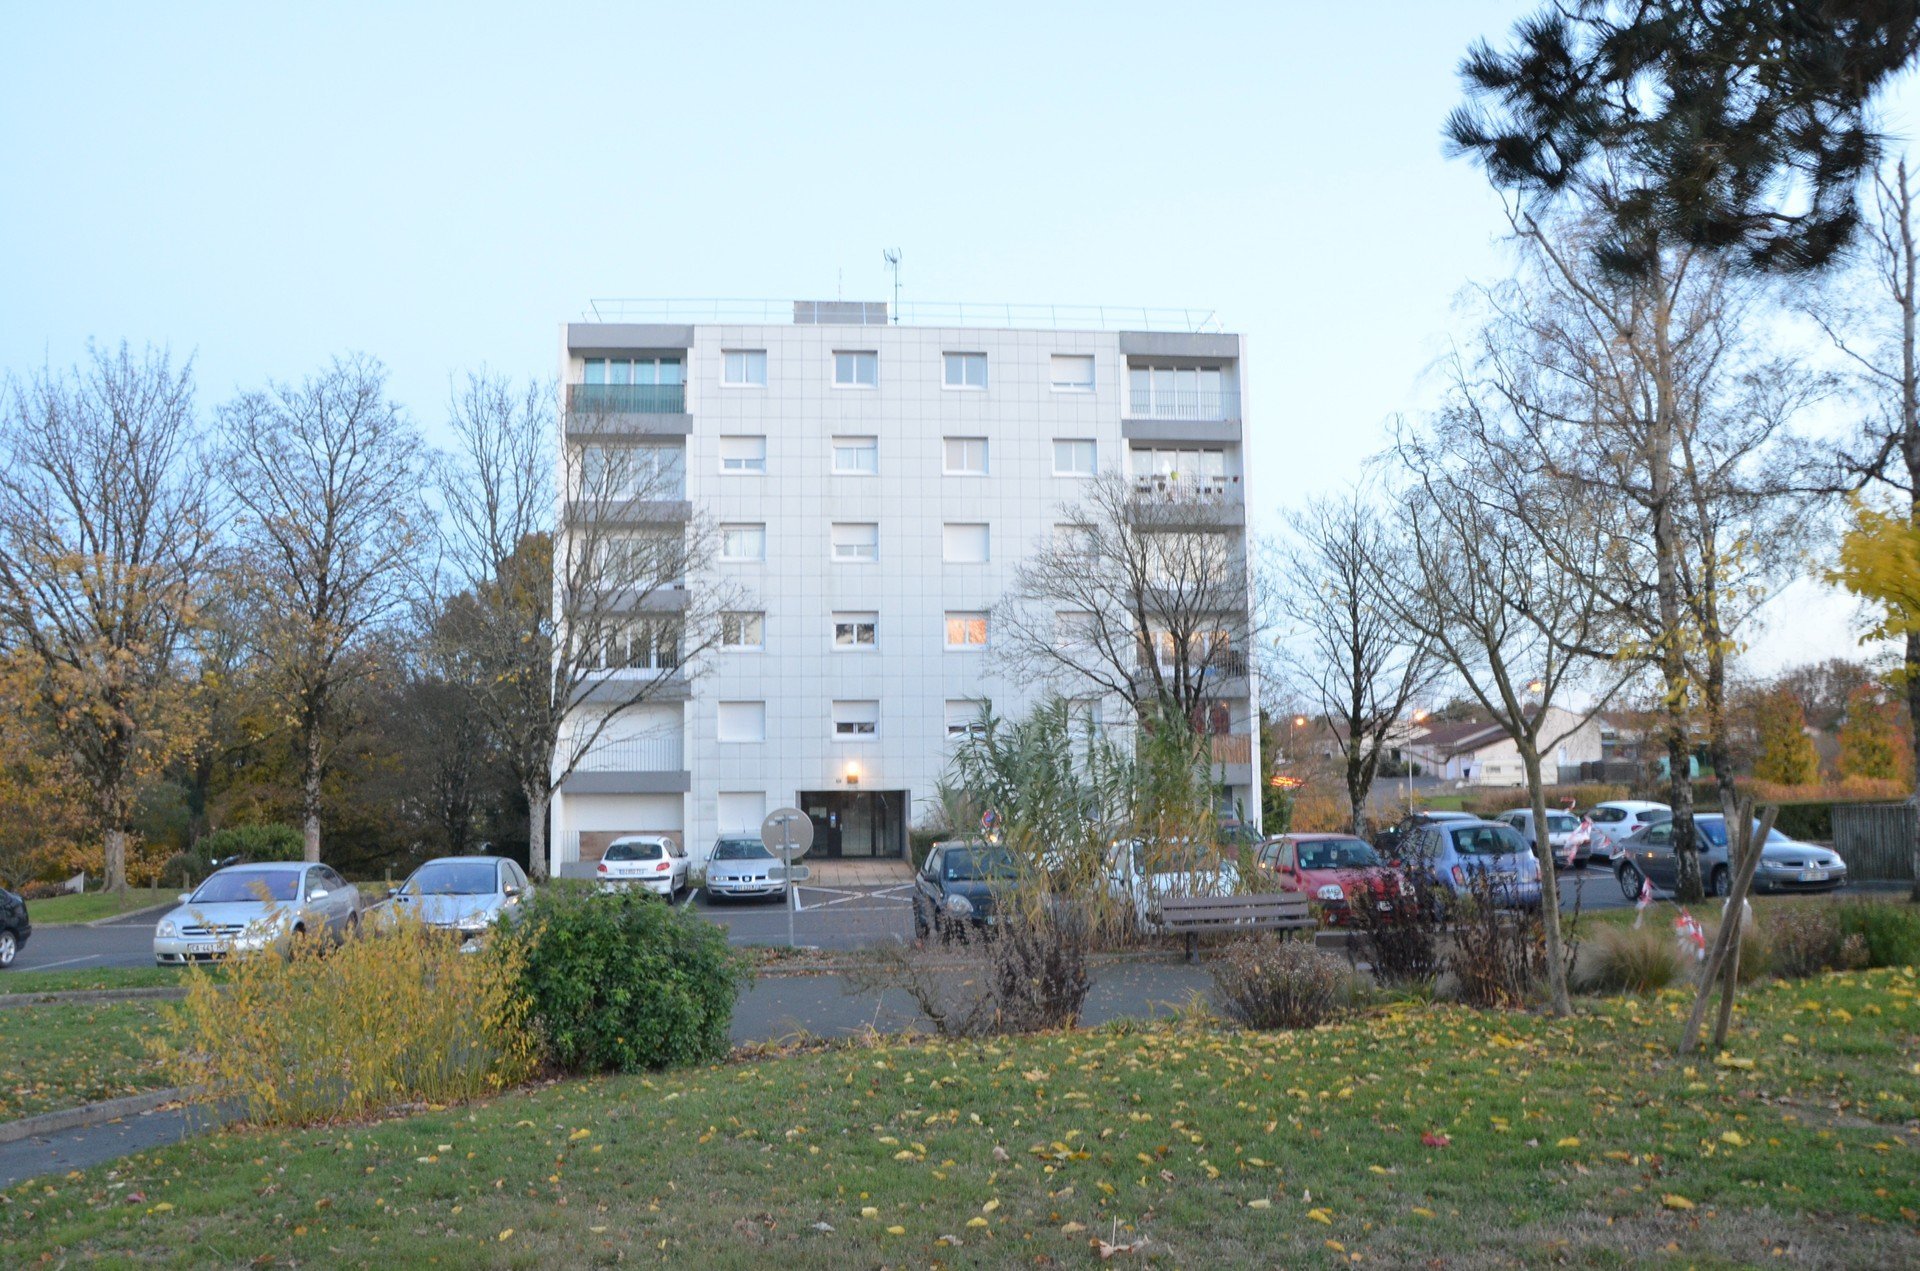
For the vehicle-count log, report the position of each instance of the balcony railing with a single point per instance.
(1205, 404)
(1165, 488)
(1231, 748)
(627, 399)
(1230, 664)
(641, 658)
(634, 754)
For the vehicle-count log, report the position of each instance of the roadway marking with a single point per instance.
(47, 966)
(890, 896)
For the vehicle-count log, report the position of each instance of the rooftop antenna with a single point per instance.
(892, 255)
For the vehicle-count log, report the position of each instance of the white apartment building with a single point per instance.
(875, 484)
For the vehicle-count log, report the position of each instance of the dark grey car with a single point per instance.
(954, 889)
(14, 927)
(1785, 864)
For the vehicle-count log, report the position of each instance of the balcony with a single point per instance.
(631, 765)
(1231, 748)
(1204, 405)
(1168, 502)
(627, 399)
(1229, 664)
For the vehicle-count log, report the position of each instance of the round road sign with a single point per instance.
(787, 830)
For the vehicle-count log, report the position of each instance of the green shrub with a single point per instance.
(1808, 822)
(272, 842)
(1271, 982)
(1889, 932)
(1630, 960)
(622, 982)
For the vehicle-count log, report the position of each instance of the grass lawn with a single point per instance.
(60, 1055)
(1406, 1134)
(129, 977)
(97, 904)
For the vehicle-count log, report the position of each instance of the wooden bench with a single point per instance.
(1253, 911)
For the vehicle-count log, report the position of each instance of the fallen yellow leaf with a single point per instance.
(1262, 1203)
(896, 1231)
(1570, 1141)
(869, 1211)
(1321, 1215)
(1673, 1200)
(1732, 1061)
(1733, 1138)
(990, 1206)
(507, 1234)
(976, 1221)
(1423, 1211)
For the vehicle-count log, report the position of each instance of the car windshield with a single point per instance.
(975, 864)
(1716, 832)
(1487, 840)
(454, 878)
(1336, 854)
(632, 852)
(741, 850)
(232, 885)
(1559, 821)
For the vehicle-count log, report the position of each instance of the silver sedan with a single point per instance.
(742, 866)
(247, 908)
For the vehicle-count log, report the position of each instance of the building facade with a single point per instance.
(873, 485)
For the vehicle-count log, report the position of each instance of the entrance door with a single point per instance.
(866, 823)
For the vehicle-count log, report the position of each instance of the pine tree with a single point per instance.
(1787, 756)
(1870, 737)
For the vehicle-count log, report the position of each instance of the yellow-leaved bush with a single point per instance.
(315, 1032)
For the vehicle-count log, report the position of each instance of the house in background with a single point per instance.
(1478, 753)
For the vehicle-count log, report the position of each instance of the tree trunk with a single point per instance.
(1356, 791)
(310, 798)
(538, 801)
(1549, 884)
(1913, 727)
(116, 860)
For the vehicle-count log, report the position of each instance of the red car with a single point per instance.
(1338, 870)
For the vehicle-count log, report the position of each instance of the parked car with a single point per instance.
(1338, 870)
(650, 861)
(1785, 864)
(465, 895)
(954, 888)
(1460, 855)
(1615, 821)
(1142, 872)
(248, 908)
(14, 926)
(740, 865)
(1561, 827)
(1388, 841)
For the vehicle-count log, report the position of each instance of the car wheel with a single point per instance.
(1629, 881)
(9, 949)
(1717, 881)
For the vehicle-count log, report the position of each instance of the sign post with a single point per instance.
(787, 832)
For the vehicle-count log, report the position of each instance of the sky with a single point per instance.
(442, 185)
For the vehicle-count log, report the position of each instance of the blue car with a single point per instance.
(1458, 855)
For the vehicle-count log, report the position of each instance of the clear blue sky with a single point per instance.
(440, 185)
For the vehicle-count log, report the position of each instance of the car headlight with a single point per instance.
(959, 906)
(474, 924)
(1332, 891)
(167, 930)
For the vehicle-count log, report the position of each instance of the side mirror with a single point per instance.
(512, 893)
(185, 897)
(319, 893)
(392, 892)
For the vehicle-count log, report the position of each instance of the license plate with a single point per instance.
(1383, 905)
(203, 948)
(1813, 875)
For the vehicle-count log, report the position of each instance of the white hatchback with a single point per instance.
(654, 862)
(1617, 820)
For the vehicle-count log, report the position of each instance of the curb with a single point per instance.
(131, 913)
(161, 992)
(88, 1114)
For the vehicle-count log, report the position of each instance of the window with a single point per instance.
(634, 370)
(741, 811)
(646, 559)
(966, 717)
(858, 721)
(743, 542)
(1084, 715)
(743, 630)
(1073, 628)
(1163, 392)
(856, 370)
(966, 630)
(743, 454)
(632, 472)
(641, 646)
(1074, 456)
(965, 370)
(1074, 540)
(855, 630)
(855, 542)
(1073, 372)
(742, 721)
(1170, 471)
(965, 457)
(744, 368)
(856, 456)
(963, 544)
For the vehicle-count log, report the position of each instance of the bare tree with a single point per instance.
(571, 618)
(326, 475)
(1519, 630)
(1140, 593)
(104, 540)
(1353, 658)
